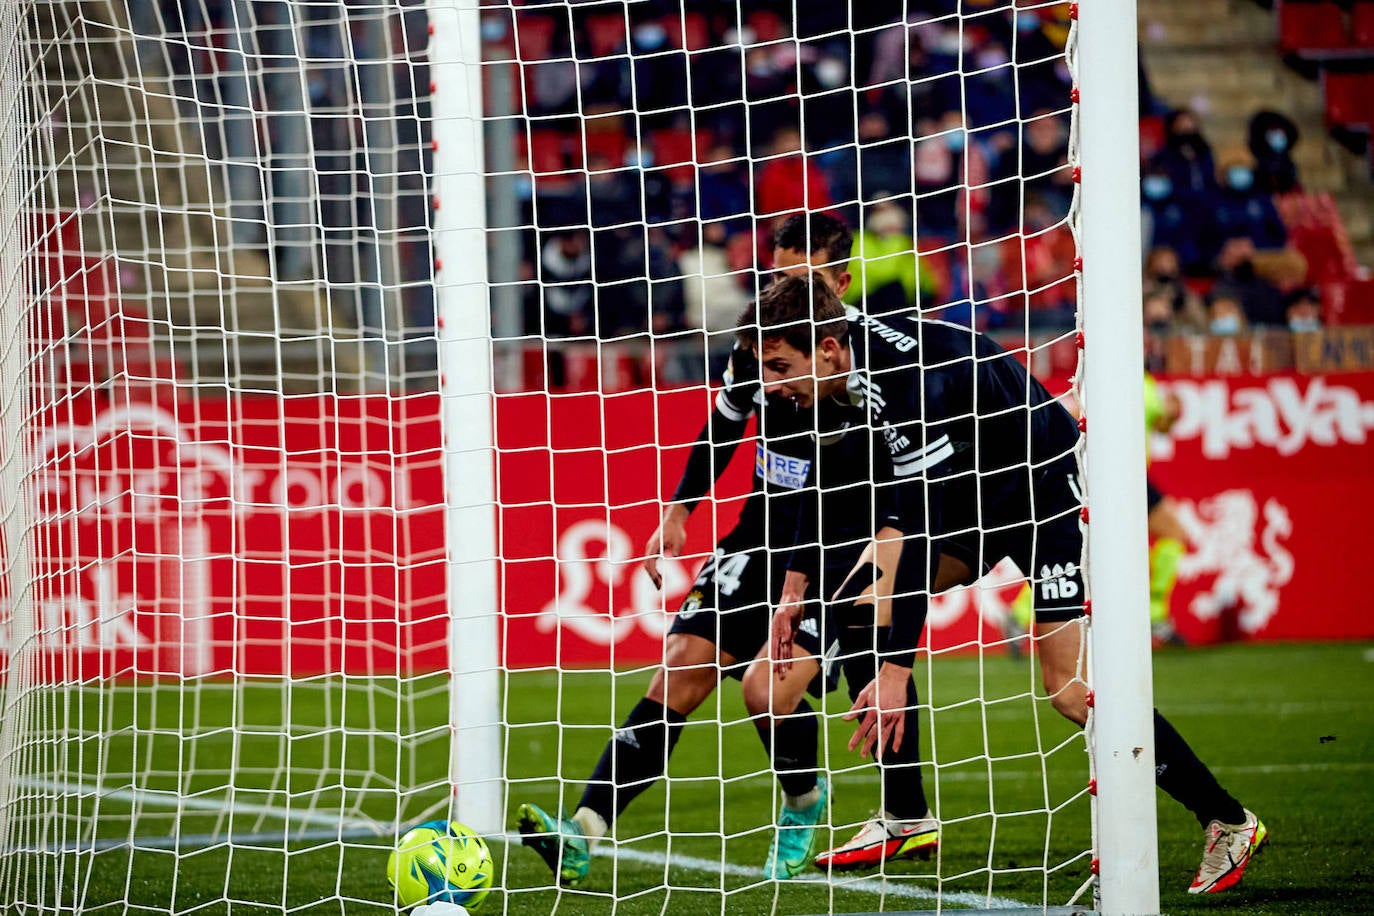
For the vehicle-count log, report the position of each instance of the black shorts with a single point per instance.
(731, 605)
(1039, 531)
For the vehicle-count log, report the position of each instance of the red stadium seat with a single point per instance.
(1349, 99)
(767, 25)
(548, 152)
(678, 151)
(690, 32)
(606, 32)
(1310, 26)
(609, 143)
(1151, 136)
(534, 36)
(1362, 24)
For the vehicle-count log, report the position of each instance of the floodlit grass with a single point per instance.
(1289, 729)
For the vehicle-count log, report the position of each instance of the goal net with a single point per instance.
(350, 354)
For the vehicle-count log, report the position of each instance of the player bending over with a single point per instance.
(723, 623)
(1168, 537)
(979, 461)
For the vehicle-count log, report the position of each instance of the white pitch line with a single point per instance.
(874, 886)
(168, 799)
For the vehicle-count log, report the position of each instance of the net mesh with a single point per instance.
(225, 543)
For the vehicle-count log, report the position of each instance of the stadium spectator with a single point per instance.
(1225, 316)
(565, 268)
(1237, 279)
(638, 283)
(880, 166)
(723, 189)
(989, 87)
(1041, 77)
(1037, 166)
(1186, 159)
(788, 181)
(1242, 208)
(886, 275)
(1164, 275)
(612, 195)
(1158, 315)
(1183, 225)
(1304, 310)
(713, 295)
(1272, 138)
(946, 166)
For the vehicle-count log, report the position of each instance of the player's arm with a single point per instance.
(710, 455)
(907, 502)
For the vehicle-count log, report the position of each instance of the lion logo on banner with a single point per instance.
(1241, 544)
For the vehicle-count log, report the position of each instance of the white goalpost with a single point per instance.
(350, 354)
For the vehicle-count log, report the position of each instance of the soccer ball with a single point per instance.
(441, 861)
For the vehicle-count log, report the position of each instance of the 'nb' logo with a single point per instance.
(1058, 582)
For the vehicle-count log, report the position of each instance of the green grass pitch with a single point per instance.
(1289, 729)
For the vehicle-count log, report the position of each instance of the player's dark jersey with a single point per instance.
(780, 468)
(961, 419)
(805, 463)
(968, 441)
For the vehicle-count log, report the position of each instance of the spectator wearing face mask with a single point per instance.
(1304, 310)
(1272, 138)
(1242, 207)
(947, 165)
(1225, 316)
(1186, 159)
(1158, 314)
(1237, 279)
(1163, 275)
(1183, 224)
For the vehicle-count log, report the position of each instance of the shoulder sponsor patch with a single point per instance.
(781, 470)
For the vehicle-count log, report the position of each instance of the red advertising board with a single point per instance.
(1274, 481)
(255, 536)
(305, 535)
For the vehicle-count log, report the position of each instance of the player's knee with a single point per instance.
(1069, 695)
(764, 695)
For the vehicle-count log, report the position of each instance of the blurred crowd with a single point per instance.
(643, 154)
(1218, 256)
(663, 153)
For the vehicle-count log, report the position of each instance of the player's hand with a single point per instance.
(881, 710)
(786, 619)
(667, 541)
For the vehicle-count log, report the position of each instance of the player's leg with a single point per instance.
(1232, 833)
(634, 758)
(636, 755)
(1168, 539)
(788, 727)
(903, 826)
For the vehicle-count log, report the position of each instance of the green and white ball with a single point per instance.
(441, 861)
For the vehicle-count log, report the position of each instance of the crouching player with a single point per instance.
(977, 456)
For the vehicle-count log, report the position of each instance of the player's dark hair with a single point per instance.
(812, 232)
(799, 310)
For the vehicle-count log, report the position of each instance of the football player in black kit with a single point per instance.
(974, 461)
(724, 622)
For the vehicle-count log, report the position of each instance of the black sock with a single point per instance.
(1179, 772)
(791, 746)
(633, 760)
(903, 793)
